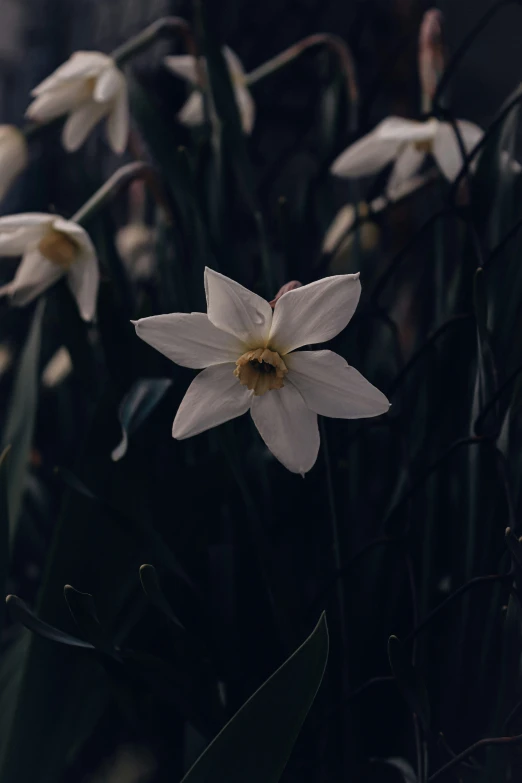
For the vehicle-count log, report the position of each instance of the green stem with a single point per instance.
(167, 25)
(121, 178)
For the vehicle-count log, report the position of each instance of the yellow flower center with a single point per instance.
(424, 146)
(59, 248)
(261, 370)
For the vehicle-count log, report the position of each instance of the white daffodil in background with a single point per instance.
(251, 363)
(88, 87)
(14, 156)
(51, 247)
(407, 142)
(192, 113)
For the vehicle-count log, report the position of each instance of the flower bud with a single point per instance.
(432, 55)
(284, 289)
(13, 156)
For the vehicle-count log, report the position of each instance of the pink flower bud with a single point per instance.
(287, 287)
(432, 55)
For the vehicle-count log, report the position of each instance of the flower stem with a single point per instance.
(114, 184)
(167, 25)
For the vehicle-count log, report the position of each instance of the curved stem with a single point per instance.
(483, 743)
(114, 184)
(495, 398)
(167, 25)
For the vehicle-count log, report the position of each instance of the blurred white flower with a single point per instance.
(50, 247)
(407, 142)
(58, 368)
(192, 113)
(87, 87)
(248, 352)
(14, 156)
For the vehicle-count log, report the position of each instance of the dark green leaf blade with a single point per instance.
(270, 719)
(4, 527)
(19, 611)
(409, 680)
(139, 402)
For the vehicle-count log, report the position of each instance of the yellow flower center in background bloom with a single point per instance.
(261, 370)
(424, 146)
(58, 248)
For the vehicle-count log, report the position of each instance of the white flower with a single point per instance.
(87, 87)
(407, 142)
(14, 156)
(248, 352)
(192, 112)
(50, 247)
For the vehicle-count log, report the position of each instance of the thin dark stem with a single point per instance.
(399, 257)
(470, 441)
(494, 399)
(483, 743)
(431, 339)
(503, 242)
(168, 25)
(465, 45)
(512, 715)
(462, 590)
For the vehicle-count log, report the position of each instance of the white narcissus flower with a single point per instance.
(88, 87)
(14, 156)
(248, 352)
(51, 247)
(407, 142)
(192, 113)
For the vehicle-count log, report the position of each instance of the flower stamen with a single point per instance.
(59, 248)
(424, 146)
(261, 370)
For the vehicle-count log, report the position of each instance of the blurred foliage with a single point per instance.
(241, 551)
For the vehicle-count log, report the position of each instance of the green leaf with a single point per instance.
(486, 370)
(256, 743)
(409, 680)
(21, 415)
(4, 527)
(137, 405)
(20, 612)
(152, 589)
(83, 610)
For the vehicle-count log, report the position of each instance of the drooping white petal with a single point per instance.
(58, 101)
(366, 156)
(14, 156)
(446, 150)
(402, 130)
(246, 107)
(340, 225)
(183, 65)
(17, 232)
(288, 427)
(331, 387)
(235, 66)
(80, 65)
(213, 397)
(192, 112)
(236, 310)
(118, 120)
(189, 339)
(83, 279)
(80, 123)
(34, 275)
(314, 313)
(107, 85)
(408, 162)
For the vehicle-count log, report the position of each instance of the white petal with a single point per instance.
(14, 156)
(58, 101)
(237, 310)
(17, 232)
(235, 66)
(331, 387)
(81, 65)
(80, 123)
(192, 111)
(118, 121)
(446, 150)
(189, 339)
(367, 156)
(407, 164)
(314, 313)
(34, 275)
(401, 130)
(339, 226)
(107, 85)
(213, 397)
(288, 427)
(246, 107)
(183, 65)
(83, 278)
